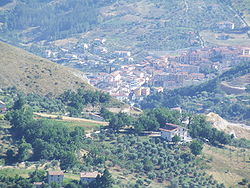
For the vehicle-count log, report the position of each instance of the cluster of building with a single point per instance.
(132, 82)
(129, 81)
(127, 78)
(92, 55)
(58, 177)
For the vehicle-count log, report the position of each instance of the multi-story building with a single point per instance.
(87, 177)
(170, 130)
(55, 176)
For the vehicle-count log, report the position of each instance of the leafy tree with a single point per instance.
(148, 165)
(196, 147)
(104, 181)
(176, 139)
(10, 156)
(147, 122)
(73, 112)
(119, 121)
(24, 151)
(43, 150)
(20, 118)
(37, 176)
(104, 98)
(216, 56)
(68, 160)
(154, 119)
(107, 115)
(19, 103)
(14, 182)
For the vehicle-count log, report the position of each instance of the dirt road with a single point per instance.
(71, 119)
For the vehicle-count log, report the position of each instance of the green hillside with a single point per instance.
(32, 74)
(227, 95)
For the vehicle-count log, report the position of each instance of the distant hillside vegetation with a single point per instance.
(144, 24)
(228, 95)
(32, 74)
(51, 19)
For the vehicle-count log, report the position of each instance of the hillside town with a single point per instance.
(129, 78)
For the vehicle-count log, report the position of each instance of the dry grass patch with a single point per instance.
(228, 165)
(33, 74)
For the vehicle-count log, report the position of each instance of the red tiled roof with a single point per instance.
(170, 127)
(168, 130)
(55, 173)
(170, 124)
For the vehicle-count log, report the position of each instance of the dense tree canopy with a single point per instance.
(200, 128)
(196, 147)
(54, 20)
(47, 139)
(77, 100)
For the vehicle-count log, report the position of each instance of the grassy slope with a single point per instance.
(31, 73)
(228, 167)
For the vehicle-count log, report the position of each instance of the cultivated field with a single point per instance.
(235, 39)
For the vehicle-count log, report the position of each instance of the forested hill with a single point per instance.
(212, 96)
(143, 24)
(32, 74)
(50, 19)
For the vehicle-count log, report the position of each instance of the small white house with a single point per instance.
(55, 176)
(170, 130)
(87, 177)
